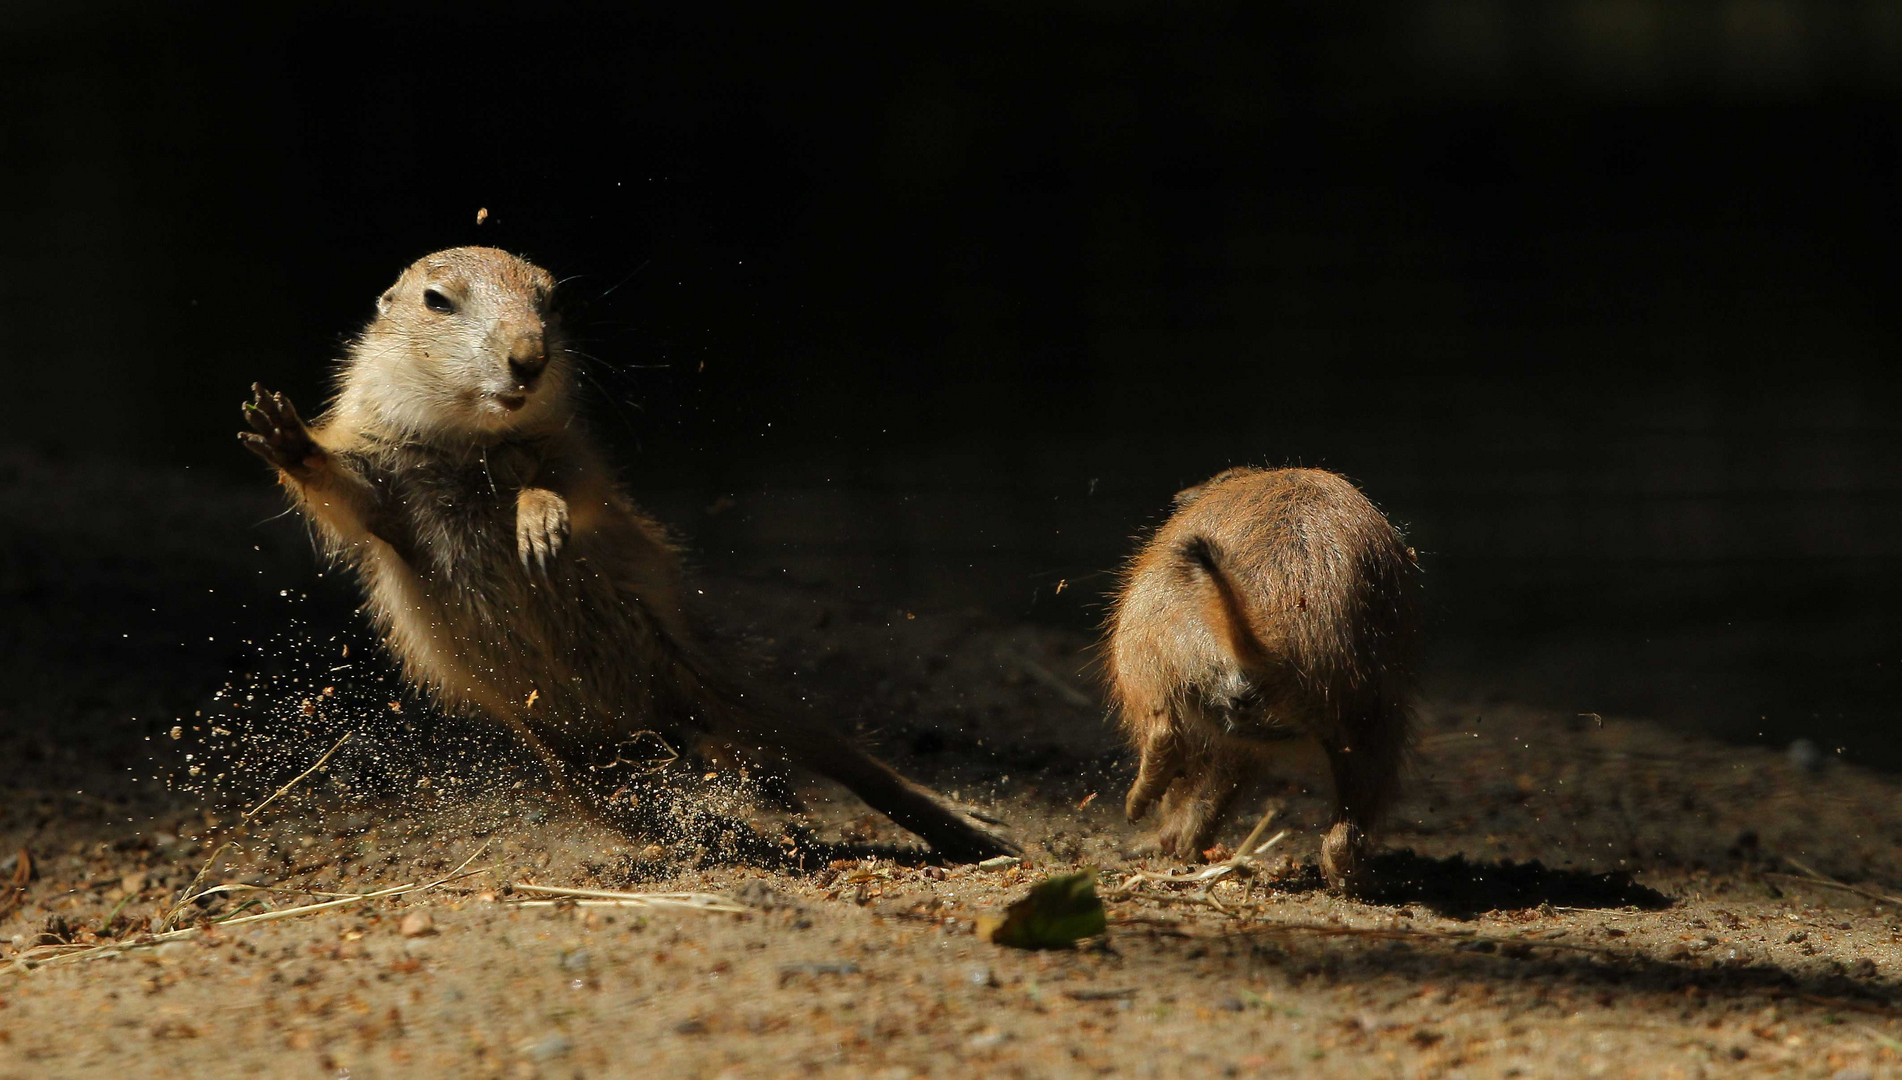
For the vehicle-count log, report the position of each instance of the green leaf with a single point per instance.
(1055, 914)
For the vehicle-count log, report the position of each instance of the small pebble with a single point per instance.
(980, 975)
(1002, 862)
(576, 960)
(984, 1040)
(548, 1047)
(417, 924)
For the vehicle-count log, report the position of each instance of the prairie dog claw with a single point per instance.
(278, 434)
(541, 528)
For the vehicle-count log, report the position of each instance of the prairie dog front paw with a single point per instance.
(278, 434)
(541, 527)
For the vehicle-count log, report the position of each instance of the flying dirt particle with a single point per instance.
(533, 695)
(177, 732)
(482, 215)
(1087, 800)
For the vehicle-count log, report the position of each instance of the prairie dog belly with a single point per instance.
(469, 619)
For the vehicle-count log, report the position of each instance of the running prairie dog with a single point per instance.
(1274, 604)
(502, 563)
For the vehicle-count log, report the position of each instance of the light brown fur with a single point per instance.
(1274, 604)
(505, 568)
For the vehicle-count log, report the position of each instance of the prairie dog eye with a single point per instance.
(436, 301)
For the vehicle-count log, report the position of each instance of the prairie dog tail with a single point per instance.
(1227, 611)
(951, 832)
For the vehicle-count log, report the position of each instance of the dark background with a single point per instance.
(939, 308)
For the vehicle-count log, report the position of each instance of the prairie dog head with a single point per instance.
(463, 345)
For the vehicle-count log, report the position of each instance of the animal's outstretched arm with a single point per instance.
(334, 493)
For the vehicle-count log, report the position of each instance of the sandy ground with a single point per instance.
(1569, 895)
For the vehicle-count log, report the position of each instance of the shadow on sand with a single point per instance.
(1458, 889)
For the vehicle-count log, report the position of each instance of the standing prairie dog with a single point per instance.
(505, 568)
(1274, 604)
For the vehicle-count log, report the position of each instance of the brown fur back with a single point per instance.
(1273, 604)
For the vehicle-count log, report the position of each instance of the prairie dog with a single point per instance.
(1274, 604)
(503, 565)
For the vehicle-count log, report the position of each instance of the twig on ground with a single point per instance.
(1195, 899)
(245, 819)
(606, 898)
(51, 954)
(623, 904)
(1811, 876)
(238, 887)
(186, 896)
(1236, 863)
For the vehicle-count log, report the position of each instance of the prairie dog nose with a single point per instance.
(527, 358)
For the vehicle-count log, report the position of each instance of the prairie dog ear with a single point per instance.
(383, 302)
